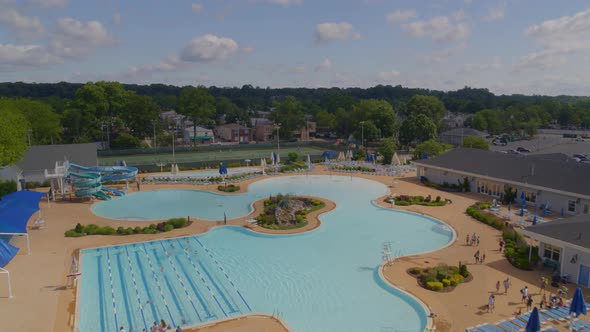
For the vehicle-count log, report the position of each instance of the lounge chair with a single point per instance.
(488, 328)
(508, 326)
(555, 314)
(39, 223)
(580, 325)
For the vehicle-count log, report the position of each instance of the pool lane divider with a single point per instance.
(166, 282)
(224, 273)
(112, 289)
(208, 313)
(180, 280)
(143, 274)
(206, 284)
(158, 284)
(124, 289)
(101, 291)
(136, 288)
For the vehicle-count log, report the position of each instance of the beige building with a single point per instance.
(233, 132)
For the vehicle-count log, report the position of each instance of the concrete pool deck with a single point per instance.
(42, 302)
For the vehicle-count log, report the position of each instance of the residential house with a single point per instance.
(233, 132)
(263, 129)
(553, 182)
(204, 135)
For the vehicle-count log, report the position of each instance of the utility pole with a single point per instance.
(363, 134)
(278, 126)
(155, 145)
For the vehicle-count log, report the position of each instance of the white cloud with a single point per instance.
(325, 65)
(495, 14)
(24, 27)
(478, 68)
(25, 55)
(197, 7)
(444, 55)
(400, 16)
(559, 38)
(566, 31)
(543, 59)
(388, 76)
(73, 38)
(171, 63)
(439, 28)
(299, 69)
(459, 15)
(284, 3)
(48, 3)
(326, 32)
(208, 48)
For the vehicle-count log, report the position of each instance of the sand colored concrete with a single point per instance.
(43, 302)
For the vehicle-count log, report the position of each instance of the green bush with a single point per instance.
(446, 282)
(7, 187)
(485, 217)
(415, 270)
(168, 228)
(230, 188)
(463, 270)
(137, 230)
(91, 229)
(434, 285)
(105, 231)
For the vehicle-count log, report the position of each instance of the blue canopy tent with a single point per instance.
(329, 154)
(7, 253)
(13, 221)
(23, 198)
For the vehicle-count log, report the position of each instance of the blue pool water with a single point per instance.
(324, 280)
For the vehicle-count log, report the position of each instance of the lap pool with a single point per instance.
(324, 280)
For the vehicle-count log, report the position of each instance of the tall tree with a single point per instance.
(289, 113)
(430, 106)
(198, 105)
(13, 135)
(431, 148)
(387, 149)
(45, 123)
(231, 112)
(325, 119)
(379, 112)
(417, 128)
(140, 115)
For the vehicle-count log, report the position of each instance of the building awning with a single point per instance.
(201, 137)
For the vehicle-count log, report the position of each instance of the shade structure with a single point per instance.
(13, 220)
(7, 252)
(23, 198)
(222, 169)
(534, 323)
(534, 220)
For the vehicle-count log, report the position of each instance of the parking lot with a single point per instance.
(546, 143)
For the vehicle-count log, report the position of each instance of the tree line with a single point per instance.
(124, 115)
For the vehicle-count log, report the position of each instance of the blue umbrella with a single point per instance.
(534, 220)
(578, 305)
(522, 199)
(534, 323)
(521, 212)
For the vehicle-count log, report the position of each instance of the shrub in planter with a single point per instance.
(168, 228)
(415, 270)
(446, 282)
(463, 270)
(434, 285)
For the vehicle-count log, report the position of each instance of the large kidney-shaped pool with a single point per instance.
(324, 280)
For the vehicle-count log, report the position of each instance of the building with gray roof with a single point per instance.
(455, 136)
(38, 158)
(565, 243)
(559, 183)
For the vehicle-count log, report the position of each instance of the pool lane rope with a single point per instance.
(136, 288)
(158, 284)
(112, 289)
(180, 280)
(224, 273)
(204, 282)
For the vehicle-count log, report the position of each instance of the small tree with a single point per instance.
(359, 154)
(387, 149)
(293, 157)
(475, 143)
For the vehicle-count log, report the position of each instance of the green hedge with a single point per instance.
(405, 200)
(92, 229)
(230, 188)
(7, 187)
(516, 249)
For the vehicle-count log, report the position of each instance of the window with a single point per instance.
(551, 252)
(530, 196)
(585, 208)
(571, 205)
(422, 171)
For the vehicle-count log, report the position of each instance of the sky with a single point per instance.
(506, 46)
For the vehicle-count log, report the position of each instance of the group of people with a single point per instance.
(472, 240)
(479, 258)
(162, 327)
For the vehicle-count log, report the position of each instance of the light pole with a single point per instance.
(29, 132)
(155, 145)
(363, 134)
(174, 139)
(278, 126)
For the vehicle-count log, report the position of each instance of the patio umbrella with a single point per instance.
(308, 162)
(521, 212)
(534, 323)
(122, 163)
(262, 164)
(578, 305)
(534, 220)
(522, 199)
(272, 158)
(278, 158)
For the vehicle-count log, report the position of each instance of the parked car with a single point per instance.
(499, 143)
(579, 139)
(521, 149)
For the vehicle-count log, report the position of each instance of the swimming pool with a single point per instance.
(206, 173)
(324, 280)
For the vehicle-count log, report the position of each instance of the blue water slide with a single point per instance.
(109, 173)
(113, 191)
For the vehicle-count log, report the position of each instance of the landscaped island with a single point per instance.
(283, 212)
(441, 277)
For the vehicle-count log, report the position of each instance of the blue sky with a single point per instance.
(510, 46)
